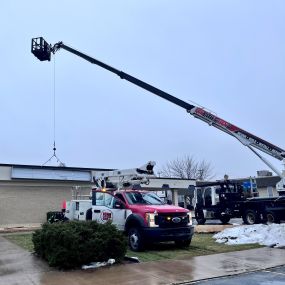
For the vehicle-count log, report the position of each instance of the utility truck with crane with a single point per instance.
(142, 215)
(43, 51)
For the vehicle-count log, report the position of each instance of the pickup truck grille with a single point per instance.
(171, 220)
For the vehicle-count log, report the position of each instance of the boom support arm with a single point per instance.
(43, 51)
(127, 77)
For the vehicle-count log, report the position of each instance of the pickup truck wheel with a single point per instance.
(183, 243)
(135, 239)
(250, 217)
(199, 216)
(225, 219)
(271, 218)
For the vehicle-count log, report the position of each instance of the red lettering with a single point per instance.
(199, 111)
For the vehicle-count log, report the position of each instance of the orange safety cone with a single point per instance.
(63, 207)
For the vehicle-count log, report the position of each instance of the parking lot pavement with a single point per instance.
(235, 222)
(17, 266)
(271, 276)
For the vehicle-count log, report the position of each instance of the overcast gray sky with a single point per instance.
(228, 56)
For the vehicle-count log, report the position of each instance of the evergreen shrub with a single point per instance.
(72, 244)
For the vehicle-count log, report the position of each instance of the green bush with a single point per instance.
(72, 244)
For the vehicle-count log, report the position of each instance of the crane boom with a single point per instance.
(42, 50)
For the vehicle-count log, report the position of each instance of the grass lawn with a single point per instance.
(24, 240)
(202, 244)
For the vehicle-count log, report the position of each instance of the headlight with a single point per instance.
(150, 218)
(189, 218)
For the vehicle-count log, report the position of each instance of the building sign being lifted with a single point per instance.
(50, 174)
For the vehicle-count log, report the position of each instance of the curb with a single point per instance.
(15, 229)
(212, 228)
(30, 228)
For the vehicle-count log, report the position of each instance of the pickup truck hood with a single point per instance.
(160, 208)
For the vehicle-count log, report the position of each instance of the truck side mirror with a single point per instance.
(119, 205)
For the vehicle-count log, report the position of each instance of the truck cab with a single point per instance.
(218, 200)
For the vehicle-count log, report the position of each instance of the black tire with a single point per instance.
(225, 219)
(135, 239)
(271, 218)
(183, 243)
(199, 216)
(250, 217)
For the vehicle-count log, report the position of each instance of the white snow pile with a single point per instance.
(269, 235)
(93, 265)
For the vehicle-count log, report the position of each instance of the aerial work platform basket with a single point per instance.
(41, 49)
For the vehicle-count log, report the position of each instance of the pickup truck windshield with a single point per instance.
(143, 198)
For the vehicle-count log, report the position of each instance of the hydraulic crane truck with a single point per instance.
(43, 51)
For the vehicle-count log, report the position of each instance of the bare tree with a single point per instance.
(187, 168)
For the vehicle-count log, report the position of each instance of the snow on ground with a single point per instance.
(269, 235)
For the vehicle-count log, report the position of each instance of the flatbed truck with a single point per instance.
(227, 199)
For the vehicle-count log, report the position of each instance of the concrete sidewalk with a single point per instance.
(17, 266)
